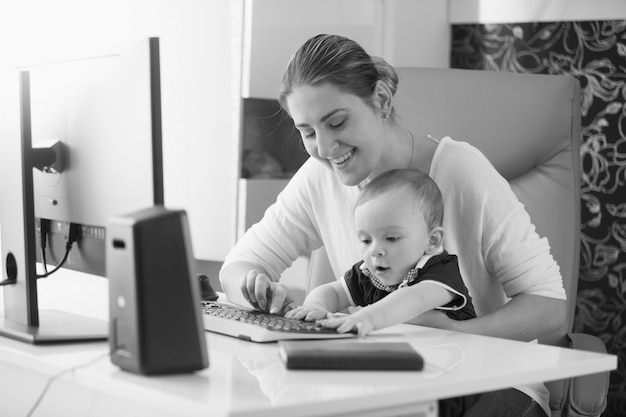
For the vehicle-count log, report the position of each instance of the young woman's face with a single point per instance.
(339, 129)
(393, 235)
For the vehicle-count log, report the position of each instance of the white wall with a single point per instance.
(200, 78)
(416, 33)
(404, 32)
(200, 73)
(276, 28)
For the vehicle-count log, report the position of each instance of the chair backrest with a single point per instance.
(528, 126)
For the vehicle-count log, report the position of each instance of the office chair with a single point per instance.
(529, 128)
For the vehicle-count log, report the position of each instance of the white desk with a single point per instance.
(248, 379)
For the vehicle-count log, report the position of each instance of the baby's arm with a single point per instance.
(401, 305)
(327, 298)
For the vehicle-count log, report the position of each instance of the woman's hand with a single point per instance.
(359, 322)
(307, 313)
(264, 294)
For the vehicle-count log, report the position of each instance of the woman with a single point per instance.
(342, 102)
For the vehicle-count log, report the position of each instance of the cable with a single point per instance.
(58, 375)
(72, 237)
(44, 229)
(448, 368)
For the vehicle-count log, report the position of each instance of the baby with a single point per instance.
(404, 272)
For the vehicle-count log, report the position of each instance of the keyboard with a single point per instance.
(257, 326)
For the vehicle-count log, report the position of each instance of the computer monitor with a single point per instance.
(88, 148)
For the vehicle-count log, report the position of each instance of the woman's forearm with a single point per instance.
(525, 317)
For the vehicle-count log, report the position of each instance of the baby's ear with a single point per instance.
(435, 239)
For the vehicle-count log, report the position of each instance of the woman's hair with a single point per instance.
(338, 61)
(417, 185)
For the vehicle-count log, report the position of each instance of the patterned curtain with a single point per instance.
(595, 53)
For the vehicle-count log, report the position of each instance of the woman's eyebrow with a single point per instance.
(323, 119)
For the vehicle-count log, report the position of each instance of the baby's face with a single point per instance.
(393, 235)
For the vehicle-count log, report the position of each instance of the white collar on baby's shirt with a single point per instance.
(425, 258)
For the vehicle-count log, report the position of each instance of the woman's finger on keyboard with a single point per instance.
(260, 290)
(244, 286)
(279, 298)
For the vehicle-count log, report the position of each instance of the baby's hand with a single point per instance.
(307, 312)
(359, 322)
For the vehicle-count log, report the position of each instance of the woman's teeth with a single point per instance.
(342, 158)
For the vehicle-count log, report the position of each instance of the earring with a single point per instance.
(385, 115)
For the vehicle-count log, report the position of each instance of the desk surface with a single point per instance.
(248, 379)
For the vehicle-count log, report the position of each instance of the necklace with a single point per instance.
(412, 148)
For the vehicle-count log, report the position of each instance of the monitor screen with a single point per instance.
(88, 148)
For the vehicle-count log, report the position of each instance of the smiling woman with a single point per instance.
(342, 101)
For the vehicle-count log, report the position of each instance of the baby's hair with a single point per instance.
(339, 61)
(425, 193)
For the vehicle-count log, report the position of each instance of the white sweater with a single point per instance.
(500, 254)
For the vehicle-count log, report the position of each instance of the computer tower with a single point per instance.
(154, 295)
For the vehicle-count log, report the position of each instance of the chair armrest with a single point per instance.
(583, 341)
(588, 393)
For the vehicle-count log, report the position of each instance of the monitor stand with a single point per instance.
(56, 326)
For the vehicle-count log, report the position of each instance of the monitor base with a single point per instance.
(56, 327)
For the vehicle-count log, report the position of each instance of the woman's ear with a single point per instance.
(435, 240)
(382, 98)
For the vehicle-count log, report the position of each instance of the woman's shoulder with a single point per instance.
(452, 151)
(459, 161)
(463, 172)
